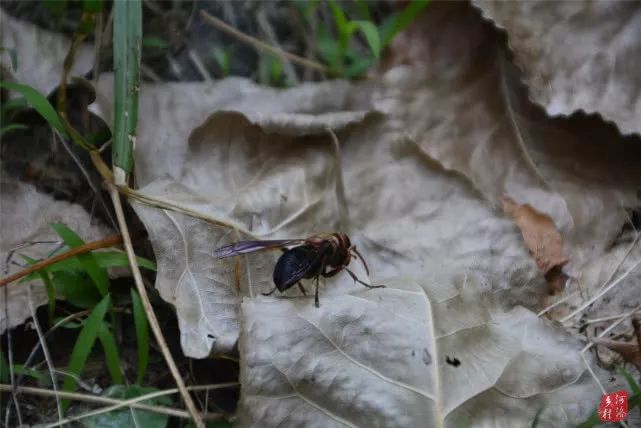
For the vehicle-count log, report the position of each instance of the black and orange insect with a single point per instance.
(308, 258)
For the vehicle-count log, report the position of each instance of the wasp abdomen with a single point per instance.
(294, 265)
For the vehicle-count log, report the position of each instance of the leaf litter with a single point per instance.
(418, 179)
(424, 148)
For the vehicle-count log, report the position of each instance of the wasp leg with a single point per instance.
(270, 293)
(332, 272)
(360, 258)
(301, 288)
(316, 294)
(355, 278)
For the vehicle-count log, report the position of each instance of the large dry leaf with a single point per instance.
(577, 55)
(181, 107)
(25, 218)
(435, 354)
(40, 53)
(246, 180)
(469, 111)
(275, 174)
(408, 217)
(25, 214)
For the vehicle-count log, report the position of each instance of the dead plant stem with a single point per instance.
(151, 316)
(109, 241)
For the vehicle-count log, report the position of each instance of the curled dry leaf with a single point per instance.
(411, 219)
(247, 182)
(577, 55)
(411, 208)
(539, 233)
(542, 239)
(461, 100)
(629, 351)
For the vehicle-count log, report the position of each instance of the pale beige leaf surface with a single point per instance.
(173, 110)
(40, 53)
(448, 136)
(577, 55)
(410, 218)
(250, 183)
(379, 358)
(25, 217)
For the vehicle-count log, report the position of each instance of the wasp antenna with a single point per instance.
(361, 259)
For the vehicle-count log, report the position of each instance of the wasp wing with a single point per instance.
(244, 247)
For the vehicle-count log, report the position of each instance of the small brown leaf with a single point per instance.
(540, 235)
(629, 351)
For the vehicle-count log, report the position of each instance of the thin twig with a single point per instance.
(557, 303)
(343, 210)
(77, 396)
(109, 241)
(85, 173)
(131, 401)
(605, 290)
(149, 310)
(265, 26)
(147, 71)
(591, 344)
(49, 332)
(14, 395)
(97, 47)
(200, 66)
(604, 319)
(262, 46)
(45, 350)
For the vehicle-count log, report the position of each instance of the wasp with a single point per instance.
(319, 255)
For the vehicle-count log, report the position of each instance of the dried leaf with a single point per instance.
(539, 233)
(380, 358)
(40, 53)
(576, 56)
(578, 171)
(25, 217)
(629, 351)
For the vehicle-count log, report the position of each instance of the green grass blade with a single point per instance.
(112, 357)
(154, 42)
(126, 50)
(43, 379)
(371, 35)
(142, 335)
(93, 6)
(634, 386)
(39, 102)
(89, 263)
(18, 103)
(401, 20)
(105, 259)
(51, 291)
(77, 288)
(84, 344)
(4, 368)
(223, 59)
(12, 127)
(340, 19)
